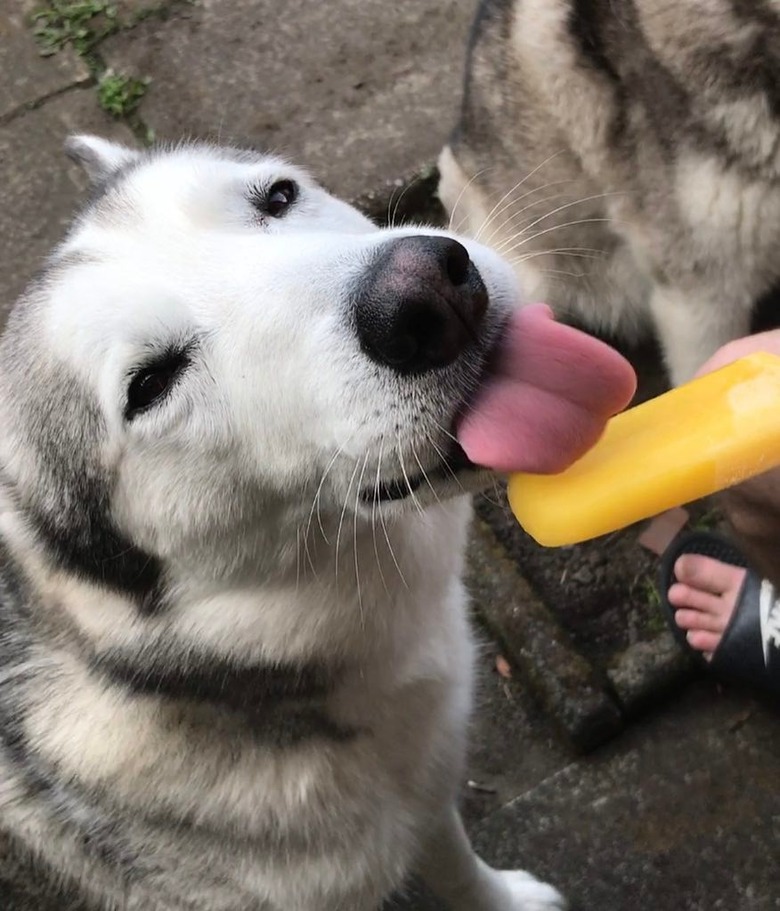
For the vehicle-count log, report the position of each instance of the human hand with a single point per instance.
(753, 507)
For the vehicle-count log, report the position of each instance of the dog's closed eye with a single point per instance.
(152, 382)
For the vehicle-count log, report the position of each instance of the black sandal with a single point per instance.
(749, 649)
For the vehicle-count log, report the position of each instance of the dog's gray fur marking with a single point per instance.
(282, 705)
(74, 810)
(626, 154)
(68, 506)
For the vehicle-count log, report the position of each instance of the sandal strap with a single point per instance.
(769, 611)
(749, 649)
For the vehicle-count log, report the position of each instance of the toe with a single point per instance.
(700, 620)
(702, 640)
(707, 574)
(713, 608)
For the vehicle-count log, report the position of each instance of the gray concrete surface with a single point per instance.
(25, 76)
(337, 85)
(681, 814)
(570, 687)
(680, 811)
(41, 188)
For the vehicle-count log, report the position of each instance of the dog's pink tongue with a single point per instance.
(548, 401)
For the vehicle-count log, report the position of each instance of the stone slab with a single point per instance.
(41, 188)
(681, 814)
(646, 671)
(26, 76)
(564, 681)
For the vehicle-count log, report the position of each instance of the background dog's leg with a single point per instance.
(455, 873)
(692, 328)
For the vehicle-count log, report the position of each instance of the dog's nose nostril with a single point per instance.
(420, 336)
(457, 264)
(420, 304)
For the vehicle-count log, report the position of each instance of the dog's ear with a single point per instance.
(100, 158)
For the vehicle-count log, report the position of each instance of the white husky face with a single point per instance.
(250, 348)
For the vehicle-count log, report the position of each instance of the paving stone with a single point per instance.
(25, 76)
(361, 91)
(681, 814)
(568, 686)
(647, 670)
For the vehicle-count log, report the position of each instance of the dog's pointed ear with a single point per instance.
(100, 158)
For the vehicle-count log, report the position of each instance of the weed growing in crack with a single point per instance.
(83, 25)
(120, 94)
(80, 23)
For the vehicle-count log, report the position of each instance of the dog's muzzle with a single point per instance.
(420, 304)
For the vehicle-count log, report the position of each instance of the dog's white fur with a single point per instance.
(246, 482)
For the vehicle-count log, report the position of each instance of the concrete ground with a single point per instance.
(676, 806)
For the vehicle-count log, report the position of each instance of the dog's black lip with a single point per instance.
(453, 462)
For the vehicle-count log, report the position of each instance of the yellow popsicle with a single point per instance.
(699, 438)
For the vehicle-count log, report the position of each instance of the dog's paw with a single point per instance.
(528, 894)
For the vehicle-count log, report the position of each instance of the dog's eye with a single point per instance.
(153, 381)
(280, 197)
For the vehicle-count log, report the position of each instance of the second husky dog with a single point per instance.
(626, 155)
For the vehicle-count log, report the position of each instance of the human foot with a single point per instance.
(704, 597)
(721, 610)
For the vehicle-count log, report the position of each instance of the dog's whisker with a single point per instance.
(297, 560)
(407, 481)
(411, 183)
(389, 205)
(581, 252)
(501, 206)
(374, 507)
(425, 474)
(568, 205)
(581, 274)
(445, 462)
(493, 502)
(384, 528)
(316, 501)
(443, 429)
(307, 551)
(341, 520)
(594, 256)
(517, 186)
(511, 220)
(466, 186)
(569, 224)
(521, 231)
(514, 202)
(355, 517)
(393, 557)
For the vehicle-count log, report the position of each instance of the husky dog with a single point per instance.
(236, 664)
(626, 155)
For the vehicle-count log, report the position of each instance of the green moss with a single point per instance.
(707, 521)
(80, 23)
(120, 94)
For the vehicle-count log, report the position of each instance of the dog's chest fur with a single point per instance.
(212, 802)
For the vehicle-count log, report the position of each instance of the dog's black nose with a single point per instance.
(419, 303)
